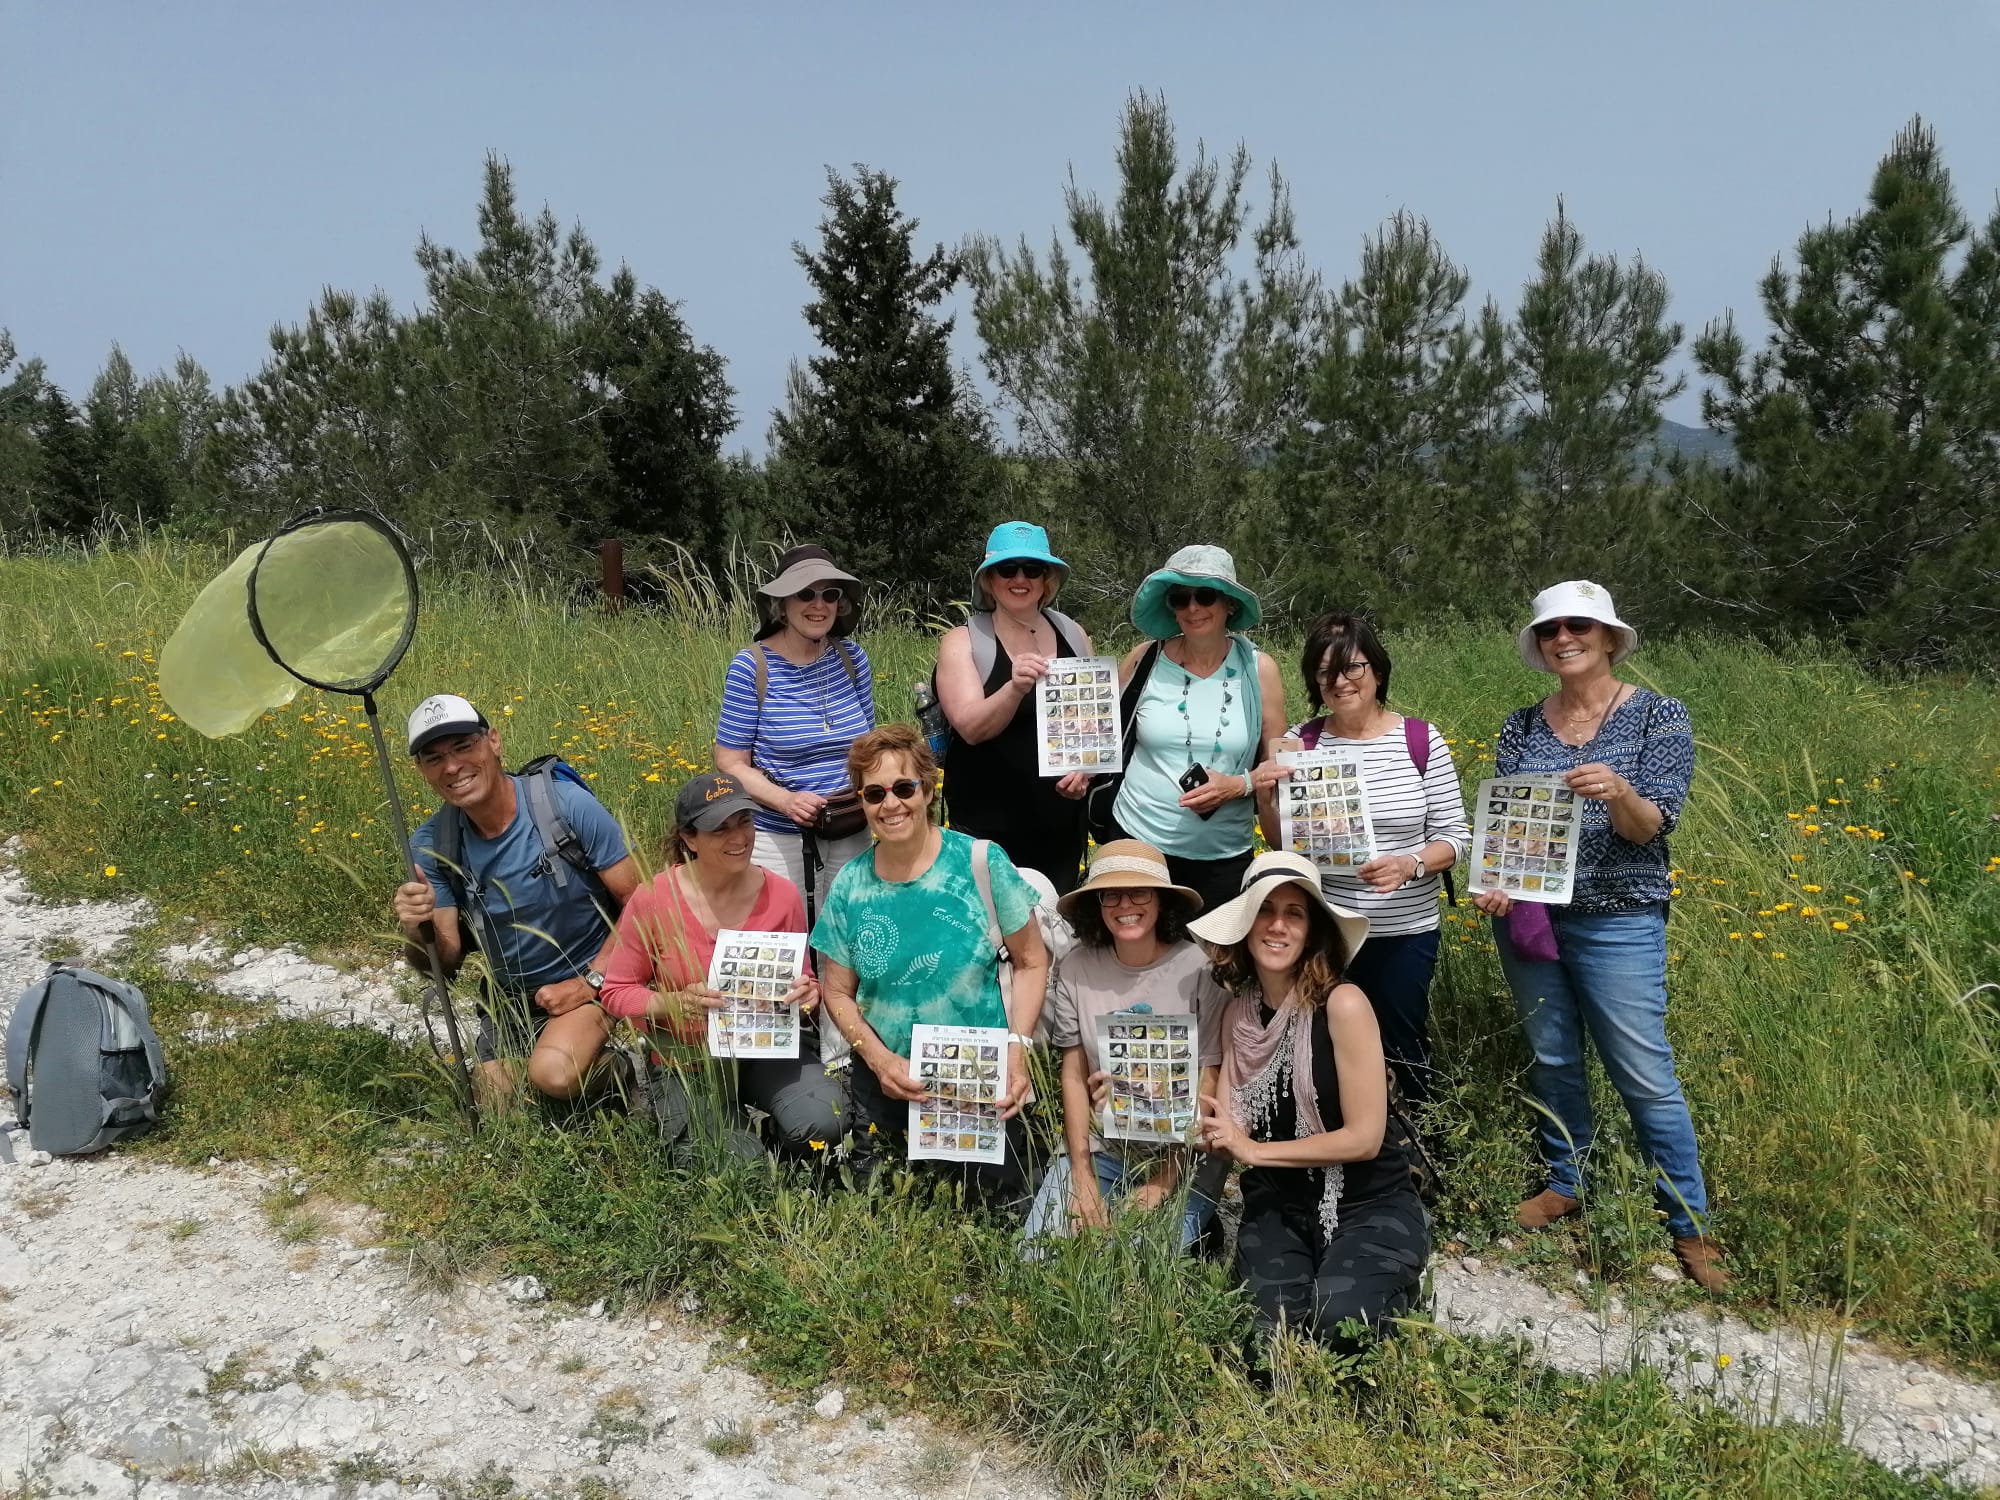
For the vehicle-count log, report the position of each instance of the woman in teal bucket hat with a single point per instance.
(1209, 704)
(987, 671)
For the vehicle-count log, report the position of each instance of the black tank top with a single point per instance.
(1387, 1172)
(994, 787)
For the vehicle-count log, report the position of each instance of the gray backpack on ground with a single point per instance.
(83, 1062)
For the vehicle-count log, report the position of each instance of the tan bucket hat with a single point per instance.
(1230, 922)
(1126, 865)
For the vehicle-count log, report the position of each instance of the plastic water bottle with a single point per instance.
(931, 719)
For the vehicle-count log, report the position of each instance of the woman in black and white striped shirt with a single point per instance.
(1420, 831)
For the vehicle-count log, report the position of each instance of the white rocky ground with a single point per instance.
(162, 1340)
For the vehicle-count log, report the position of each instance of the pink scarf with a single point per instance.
(1257, 1058)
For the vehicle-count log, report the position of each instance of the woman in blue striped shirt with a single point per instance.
(791, 705)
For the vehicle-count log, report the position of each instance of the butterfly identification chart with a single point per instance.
(754, 971)
(1076, 716)
(963, 1070)
(1323, 810)
(1524, 838)
(1152, 1063)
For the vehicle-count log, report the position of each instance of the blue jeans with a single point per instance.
(1050, 1215)
(1612, 982)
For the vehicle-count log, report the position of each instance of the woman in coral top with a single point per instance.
(658, 975)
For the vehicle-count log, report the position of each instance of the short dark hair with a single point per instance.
(1342, 633)
(1168, 928)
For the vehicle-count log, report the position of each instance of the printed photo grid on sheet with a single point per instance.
(1524, 838)
(755, 971)
(1323, 810)
(1153, 1063)
(963, 1070)
(1076, 716)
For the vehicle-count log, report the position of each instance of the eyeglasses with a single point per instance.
(903, 789)
(1351, 670)
(438, 752)
(1178, 599)
(1140, 897)
(831, 594)
(1020, 570)
(1545, 630)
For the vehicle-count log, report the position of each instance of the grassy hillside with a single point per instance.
(1840, 892)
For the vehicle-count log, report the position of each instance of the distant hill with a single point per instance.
(1695, 443)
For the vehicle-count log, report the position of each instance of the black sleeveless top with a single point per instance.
(994, 787)
(1299, 1187)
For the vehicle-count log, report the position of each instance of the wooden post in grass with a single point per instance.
(611, 571)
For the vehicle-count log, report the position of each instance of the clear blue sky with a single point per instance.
(183, 176)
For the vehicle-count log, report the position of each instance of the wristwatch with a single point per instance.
(594, 979)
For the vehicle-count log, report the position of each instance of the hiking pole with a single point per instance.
(427, 934)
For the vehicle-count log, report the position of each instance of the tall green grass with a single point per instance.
(1844, 1095)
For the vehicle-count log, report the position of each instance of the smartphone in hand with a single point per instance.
(1193, 777)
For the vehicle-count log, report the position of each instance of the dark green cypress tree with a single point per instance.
(882, 451)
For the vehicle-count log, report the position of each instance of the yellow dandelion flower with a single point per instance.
(1841, 927)
(110, 871)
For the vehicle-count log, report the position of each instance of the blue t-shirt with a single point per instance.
(921, 948)
(1183, 720)
(811, 715)
(1649, 740)
(545, 934)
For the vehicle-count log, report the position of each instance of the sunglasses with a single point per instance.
(903, 789)
(831, 594)
(1574, 624)
(1126, 897)
(1351, 670)
(1020, 570)
(1182, 598)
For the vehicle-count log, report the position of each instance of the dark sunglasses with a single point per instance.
(1182, 598)
(1574, 624)
(1351, 670)
(903, 789)
(831, 594)
(1020, 570)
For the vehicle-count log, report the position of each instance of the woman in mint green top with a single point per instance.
(1210, 699)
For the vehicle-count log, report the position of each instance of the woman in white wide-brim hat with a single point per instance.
(1595, 962)
(1332, 1226)
(986, 675)
(1132, 953)
(1201, 702)
(792, 703)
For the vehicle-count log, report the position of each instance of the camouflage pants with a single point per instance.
(1367, 1271)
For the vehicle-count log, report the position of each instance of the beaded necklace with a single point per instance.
(1187, 722)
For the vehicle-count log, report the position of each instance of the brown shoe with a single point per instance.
(1545, 1208)
(1701, 1258)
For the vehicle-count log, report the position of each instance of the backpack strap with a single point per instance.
(982, 876)
(20, 1041)
(550, 826)
(1417, 740)
(1309, 733)
(1128, 701)
(985, 644)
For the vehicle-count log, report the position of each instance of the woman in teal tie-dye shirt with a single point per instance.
(904, 939)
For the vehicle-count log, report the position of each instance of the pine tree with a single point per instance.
(1589, 355)
(1400, 436)
(881, 449)
(1868, 426)
(1149, 384)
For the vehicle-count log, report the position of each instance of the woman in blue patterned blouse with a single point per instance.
(1599, 964)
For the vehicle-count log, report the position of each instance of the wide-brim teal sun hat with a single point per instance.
(1016, 541)
(1197, 567)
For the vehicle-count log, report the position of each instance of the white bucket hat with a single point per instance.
(1230, 922)
(1581, 598)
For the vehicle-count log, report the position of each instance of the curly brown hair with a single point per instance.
(1323, 966)
(1169, 927)
(895, 739)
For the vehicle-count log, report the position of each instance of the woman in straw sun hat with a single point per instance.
(1598, 964)
(992, 778)
(1333, 1230)
(1132, 953)
(792, 702)
(1207, 703)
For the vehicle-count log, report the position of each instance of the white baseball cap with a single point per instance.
(440, 715)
